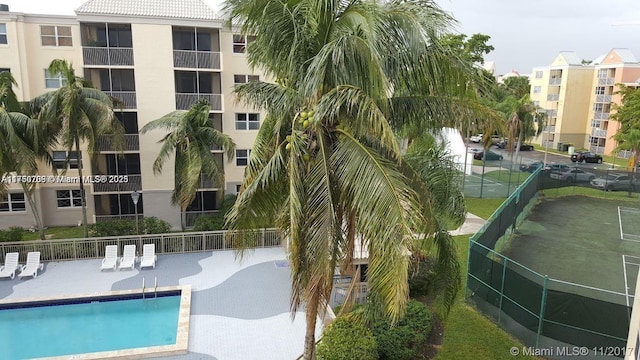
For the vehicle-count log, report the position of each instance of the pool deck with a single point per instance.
(239, 309)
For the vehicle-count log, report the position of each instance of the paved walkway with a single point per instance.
(471, 225)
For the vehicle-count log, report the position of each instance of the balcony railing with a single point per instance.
(550, 129)
(606, 81)
(553, 97)
(127, 99)
(603, 98)
(598, 115)
(597, 149)
(555, 81)
(107, 56)
(117, 183)
(191, 216)
(131, 143)
(170, 243)
(552, 113)
(547, 144)
(196, 59)
(599, 133)
(184, 100)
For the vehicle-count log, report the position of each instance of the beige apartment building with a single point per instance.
(578, 99)
(155, 57)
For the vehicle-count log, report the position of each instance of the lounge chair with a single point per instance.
(32, 266)
(129, 257)
(10, 266)
(110, 260)
(148, 256)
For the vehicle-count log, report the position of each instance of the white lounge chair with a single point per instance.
(8, 270)
(129, 257)
(110, 260)
(32, 266)
(148, 256)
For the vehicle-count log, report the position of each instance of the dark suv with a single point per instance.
(586, 156)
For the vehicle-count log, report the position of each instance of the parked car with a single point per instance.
(523, 147)
(614, 181)
(572, 175)
(490, 155)
(556, 167)
(531, 166)
(476, 138)
(586, 156)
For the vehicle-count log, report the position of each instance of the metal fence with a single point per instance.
(170, 243)
(540, 311)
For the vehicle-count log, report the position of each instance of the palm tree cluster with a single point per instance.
(628, 115)
(352, 77)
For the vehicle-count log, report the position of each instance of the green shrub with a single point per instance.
(112, 228)
(215, 221)
(153, 225)
(14, 233)
(422, 279)
(347, 340)
(403, 340)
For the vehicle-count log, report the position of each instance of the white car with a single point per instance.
(476, 138)
(572, 175)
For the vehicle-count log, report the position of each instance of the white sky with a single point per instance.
(524, 33)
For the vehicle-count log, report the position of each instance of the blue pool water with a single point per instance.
(88, 327)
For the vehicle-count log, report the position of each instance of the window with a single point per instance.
(204, 201)
(3, 33)
(240, 43)
(238, 188)
(5, 70)
(241, 79)
(600, 90)
(247, 121)
(539, 74)
(69, 198)
(64, 159)
(537, 89)
(536, 104)
(55, 35)
(242, 157)
(598, 107)
(53, 81)
(12, 202)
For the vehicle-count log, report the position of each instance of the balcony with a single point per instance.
(127, 99)
(601, 115)
(107, 56)
(131, 143)
(117, 183)
(597, 149)
(547, 144)
(553, 97)
(552, 113)
(196, 59)
(603, 98)
(606, 81)
(600, 133)
(555, 81)
(184, 100)
(550, 129)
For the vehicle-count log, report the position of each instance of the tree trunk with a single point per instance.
(82, 195)
(310, 337)
(183, 219)
(28, 193)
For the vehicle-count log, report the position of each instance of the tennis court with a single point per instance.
(578, 240)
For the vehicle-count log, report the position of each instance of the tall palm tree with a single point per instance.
(191, 137)
(629, 139)
(78, 113)
(349, 75)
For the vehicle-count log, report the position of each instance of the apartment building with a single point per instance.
(155, 57)
(578, 99)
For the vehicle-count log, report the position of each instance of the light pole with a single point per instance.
(135, 196)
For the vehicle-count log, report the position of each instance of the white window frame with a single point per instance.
(59, 162)
(537, 89)
(240, 42)
(243, 79)
(600, 90)
(74, 196)
(242, 157)
(50, 81)
(56, 35)
(11, 203)
(4, 40)
(539, 74)
(247, 123)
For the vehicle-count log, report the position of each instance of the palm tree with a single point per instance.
(326, 162)
(191, 137)
(78, 113)
(629, 139)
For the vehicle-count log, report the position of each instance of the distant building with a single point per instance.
(577, 99)
(155, 57)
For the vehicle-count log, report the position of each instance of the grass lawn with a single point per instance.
(65, 232)
(467, 333)
(591, 192)
(483, 207)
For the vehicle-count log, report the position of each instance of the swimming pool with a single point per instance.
(87, 327)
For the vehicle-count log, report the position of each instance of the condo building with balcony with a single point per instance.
(153, 57)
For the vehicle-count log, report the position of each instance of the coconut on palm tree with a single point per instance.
(190, 137)
(326, 160)
(78, 114)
